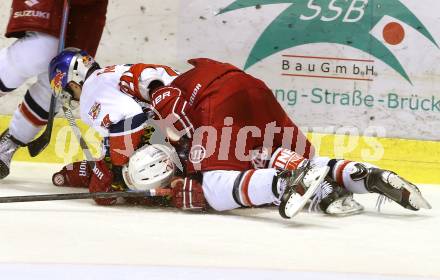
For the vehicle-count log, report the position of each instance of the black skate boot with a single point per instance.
(298, 187)
(8, 146)
(334, 200)
(392, 186)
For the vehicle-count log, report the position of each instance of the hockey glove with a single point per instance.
(75, 175)
(187, 194)
(101, 181)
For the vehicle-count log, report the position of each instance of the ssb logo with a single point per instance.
(197, 154)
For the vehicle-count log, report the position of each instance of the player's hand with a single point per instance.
(101, 181)
(187, 194)
(76, 175)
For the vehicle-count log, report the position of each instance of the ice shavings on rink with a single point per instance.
(77, 239)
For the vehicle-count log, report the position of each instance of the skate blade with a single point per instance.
(312, 180)
(415, 197)
(338, 209)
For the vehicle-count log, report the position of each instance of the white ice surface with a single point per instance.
(80, 240)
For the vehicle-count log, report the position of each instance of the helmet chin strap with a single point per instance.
(70, 92)
(92, 69)
(68, 95)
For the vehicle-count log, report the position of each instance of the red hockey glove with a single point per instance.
(138, 79)
(129, 81)
(127, 84)
(187, 194)
(76, 175)
(101, 181)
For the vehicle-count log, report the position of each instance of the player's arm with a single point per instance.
(142, 78)
(125, 137)
(171, 113)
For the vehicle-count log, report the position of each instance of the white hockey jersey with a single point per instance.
(117, 113)
(102, 103)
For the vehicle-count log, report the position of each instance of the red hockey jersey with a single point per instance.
(86, 21)
(228, 115)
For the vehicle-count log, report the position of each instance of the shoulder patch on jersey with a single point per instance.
(106, 122)
(95, 110)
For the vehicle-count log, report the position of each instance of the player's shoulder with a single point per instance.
(111, 72)
(107, 77)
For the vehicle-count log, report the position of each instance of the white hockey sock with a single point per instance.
(260, 187)
(226, 190)
(341, 171)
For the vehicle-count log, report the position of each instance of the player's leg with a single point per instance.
(361, 178)
(27, 57)
(226, 190)
(330, 197)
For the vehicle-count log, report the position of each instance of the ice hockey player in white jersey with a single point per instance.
(111, 101)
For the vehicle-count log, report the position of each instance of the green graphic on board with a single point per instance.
(346, 22)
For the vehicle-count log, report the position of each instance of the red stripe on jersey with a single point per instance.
(27, 113)
(245, 188)
(308, 149)
(122, 147)
(295, 138)
(339, 173)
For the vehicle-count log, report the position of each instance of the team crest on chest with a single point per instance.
(95, 110)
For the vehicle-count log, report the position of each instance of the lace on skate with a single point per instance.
(323, 191)
(381, 200)
(4, 138)
(282, 183)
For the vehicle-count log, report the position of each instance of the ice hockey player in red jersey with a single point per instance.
(230, 132)
(36, 25)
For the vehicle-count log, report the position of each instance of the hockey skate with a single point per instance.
(8, 146)
(334, 200)
(300, 185)
(392, 186)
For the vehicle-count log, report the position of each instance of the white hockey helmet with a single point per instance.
(149, 167)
